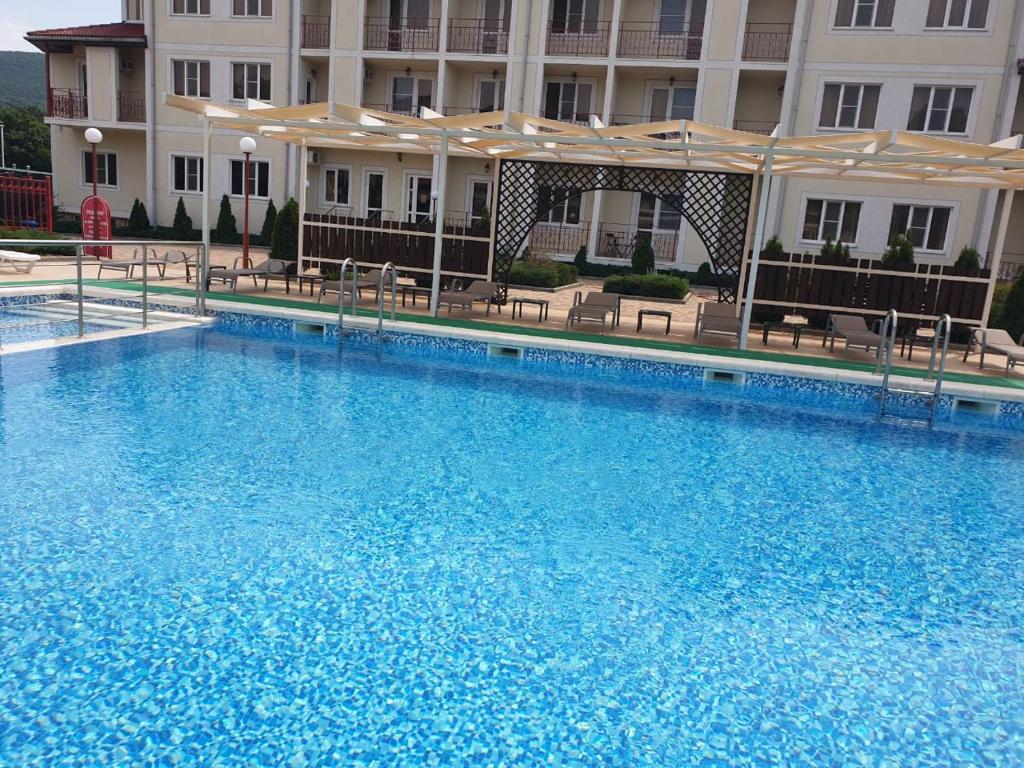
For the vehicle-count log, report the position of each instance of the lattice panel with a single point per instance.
(716, 206)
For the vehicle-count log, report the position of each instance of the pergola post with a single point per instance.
(762, 213)
(442, 184)
(303, 181)
(997, 254)
(204, 264)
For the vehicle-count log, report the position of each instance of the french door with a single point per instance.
(417, 198)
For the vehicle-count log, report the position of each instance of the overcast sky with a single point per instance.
(19, 16)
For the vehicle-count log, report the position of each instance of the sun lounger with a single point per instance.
(998, 341)
(717, 320)
(175, 257)
(854, 330)
(267, 269)
(478, 290)
(128, 265)
(21, 262)
(369, 279)
(594, 309)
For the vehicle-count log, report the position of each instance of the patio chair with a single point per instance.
(855, 331)
(175, 257)
(269, 268)
(369, 279)
(998, 341)
(718, 320)
(466, 298)
(20, 262)
(594, 309)
(128, 265)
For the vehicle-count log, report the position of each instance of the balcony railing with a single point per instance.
(550, 238)
(391, 108)
(658, 40)
(69, 103)
(767, 42)
(764, 127)
(383, 33)
(617, 241)
(131, 107)
(578, 39)
(316, 31)
(484, 36)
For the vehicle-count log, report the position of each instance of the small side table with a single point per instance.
(921, 337)
(414, 291)
(654, 313)
(793, 323)
(541, 304)
(313, 281)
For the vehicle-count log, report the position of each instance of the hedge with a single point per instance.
(702, 276)
(35, 234)
(655, 286)
(542, 273)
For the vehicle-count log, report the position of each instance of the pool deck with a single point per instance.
(811, 360)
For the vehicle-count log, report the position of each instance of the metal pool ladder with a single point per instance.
(341, 294)
(387, 269)
(936, 366)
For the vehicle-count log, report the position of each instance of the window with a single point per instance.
(336, 185)
(849, 105)
(659, 213)
(417, 14)
(374, 181)
(133, 10)
(924, 225)
(557, 205)
(186, 173)
(190, 7)
(957, 14)
(569, 102)
(479, 194)
(106, 168)
(672, 104)
(250, 81)
(191, 78)
(408, 94)
(864, 13)
(492, 96)
(574, 16)
(259, 178)
(940, 109)
(257, 8)
(418, 201)
(831, 219)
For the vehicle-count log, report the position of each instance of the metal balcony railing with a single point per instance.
(551, 238)
(316, 31)
(131, 107)
(764, 127)
(69, 103)
(617, 241)
(383, 33)
(484, 36)
(767, 42)
(391, 108)
(584, 38)
(660, 40)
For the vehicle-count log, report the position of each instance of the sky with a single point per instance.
(19, 16)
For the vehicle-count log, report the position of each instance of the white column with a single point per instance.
(442, 190)
(762, 212)
(997, 254)
(206, 199)
(303, 175)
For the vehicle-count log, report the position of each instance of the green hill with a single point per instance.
(22, 79)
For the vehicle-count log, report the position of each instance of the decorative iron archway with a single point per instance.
(715, 204)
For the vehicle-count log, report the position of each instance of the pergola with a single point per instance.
(885, 156)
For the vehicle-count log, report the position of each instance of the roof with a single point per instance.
(120, 33)
(874, 156)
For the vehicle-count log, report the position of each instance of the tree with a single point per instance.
(138, 219)
(285, 242)
(267, 233)
(182, 221)
(900, 254)
(1012, 316)
(580, 260)
(227, 229)
(643, 257)
(969, 260)
(26, 138)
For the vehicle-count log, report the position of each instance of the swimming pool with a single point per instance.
(225, 547)
(36, 318)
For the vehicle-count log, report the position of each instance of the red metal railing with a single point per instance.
(131, 107)
(67, 102)
(26, 200)
(382, 33)
(767, 42)
(657, 40)
(316, 31)
(477, 36)
(578, 39)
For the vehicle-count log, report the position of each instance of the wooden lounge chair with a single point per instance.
(594, 309)
(478, 290)
(854, 330)
(369, 279)
(998, 341)
(267, 269)
(718, 320)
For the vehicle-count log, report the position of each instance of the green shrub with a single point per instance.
(836, 252)
(542, 273)
(900, 254)
(580, 259)
(482, 227)
(182, 221)
(773, 248)
(643, 257)
(68, 226)
(284, 244)
(227, 229)
(138, 219)
(969, 260)
(655, 286)
(704, 274)
(35, 234)
(998, 304)
(267, 232)
(1011, 311)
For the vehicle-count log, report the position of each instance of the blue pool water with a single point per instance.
(224, 550)
(36, 322)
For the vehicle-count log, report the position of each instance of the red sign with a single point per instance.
(96, 226)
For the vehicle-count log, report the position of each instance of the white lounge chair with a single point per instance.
(21, 262)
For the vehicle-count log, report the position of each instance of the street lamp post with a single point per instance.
(94, 137)
(247, 144)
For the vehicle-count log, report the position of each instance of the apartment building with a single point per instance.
(945, 68)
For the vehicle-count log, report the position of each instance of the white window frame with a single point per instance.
(101, 154)
(255, 163)
(254, 16)
(198, 79)
(365, 201)
(671, 88)
(269, 98)
(500, 86)
(563, 81)
(407, 209)
(656, 228)
(825, 200)
(843, 86)
(854, 26)
(565, 211)
(931, 206)
(187, 13)
(172, 157)
(416, 77)
(326, 203)
(949, 112)
(470, 182)
(686, 20)
(967, 15)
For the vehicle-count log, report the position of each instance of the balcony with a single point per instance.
(764, 127)
(483, 36)
(390, 108)
(657, 40)
(617, 241)
(316, 31)
(131, 107)
(578, 39)
(767, 42)
(68, 103)
(553, 238)
(383, 33)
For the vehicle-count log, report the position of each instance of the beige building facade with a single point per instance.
(946, 68)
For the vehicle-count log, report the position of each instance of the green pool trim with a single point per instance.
(544, 333)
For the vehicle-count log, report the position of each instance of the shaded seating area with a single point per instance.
(718, 320)
(595, 308)
(995, 341)
(478, 291)
(854, 330)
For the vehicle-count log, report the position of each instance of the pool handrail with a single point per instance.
(341, 292)
(387, 269)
